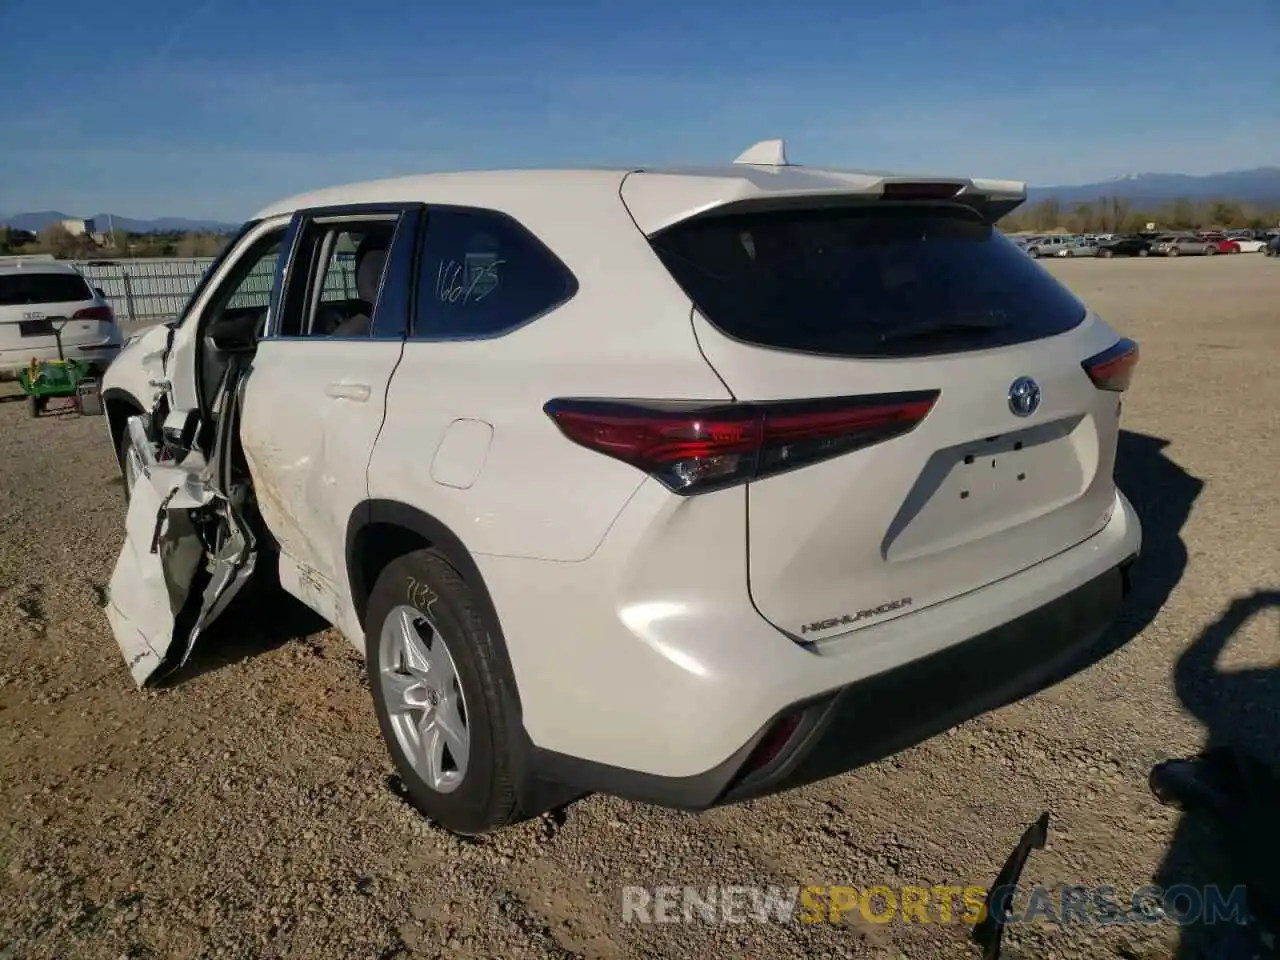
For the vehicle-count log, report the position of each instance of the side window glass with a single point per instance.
(482, 274)
(335, 276)
(254, 291)
(246, 293)
(214, 266)
(339, 283)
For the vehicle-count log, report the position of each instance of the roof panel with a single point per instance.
(656, 196)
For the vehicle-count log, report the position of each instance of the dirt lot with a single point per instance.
(248, 810)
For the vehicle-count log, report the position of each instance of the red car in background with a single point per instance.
(1220, 243)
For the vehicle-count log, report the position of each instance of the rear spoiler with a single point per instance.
(996, 197)
(762, 178)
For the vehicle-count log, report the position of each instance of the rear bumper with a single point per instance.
(99, 355)
(666, 698)
(873, 718)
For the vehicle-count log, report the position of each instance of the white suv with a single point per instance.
(683, 485)
(43, 300)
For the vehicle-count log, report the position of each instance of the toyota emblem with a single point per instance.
(1024, 397)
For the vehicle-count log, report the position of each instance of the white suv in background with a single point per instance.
(41, 297)
(685, 485)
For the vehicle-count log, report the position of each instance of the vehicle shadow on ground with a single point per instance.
(1240, 709)
(58, 407)
(262, 617)
(1162, 494)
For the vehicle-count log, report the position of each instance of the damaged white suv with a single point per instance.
(683, 485)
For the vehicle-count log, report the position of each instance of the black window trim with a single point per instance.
(408, 216)
(553, 259)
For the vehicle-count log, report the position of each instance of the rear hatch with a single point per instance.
(1008, 456)
(34, 304)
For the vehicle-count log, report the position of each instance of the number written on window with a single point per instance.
(482, 275)
(469, 280)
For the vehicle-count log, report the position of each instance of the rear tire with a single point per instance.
(1144, 252)
(1210, 251)
(474, 794)
(1106, 254)
(1173, 252)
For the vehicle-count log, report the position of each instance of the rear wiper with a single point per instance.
(928, 328)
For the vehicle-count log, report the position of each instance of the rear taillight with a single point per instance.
(772, 743)
(94, 313)
(693, 447)
(1113, 368)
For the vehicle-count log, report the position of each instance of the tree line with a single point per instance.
(63, 244)
(1118, 215)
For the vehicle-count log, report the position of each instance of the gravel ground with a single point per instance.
(250, 810)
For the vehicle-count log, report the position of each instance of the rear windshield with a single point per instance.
(884, 281)
(24, 289)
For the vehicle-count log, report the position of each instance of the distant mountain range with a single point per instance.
(37, 221)
(1260, 186)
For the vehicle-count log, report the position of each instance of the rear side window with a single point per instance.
(873, 281)
(482, 274)
(25, 289)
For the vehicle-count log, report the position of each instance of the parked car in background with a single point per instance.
(606, 500)
(1131, 246)
(1220, 243)
(1080, 247)
(42, 299)
(1180, 245)
(1048, 246)
(1249, 244)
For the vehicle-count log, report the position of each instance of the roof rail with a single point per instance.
(766, 153)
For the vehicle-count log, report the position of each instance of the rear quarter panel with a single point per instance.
(626, 334)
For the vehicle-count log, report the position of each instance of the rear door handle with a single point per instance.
(349, 391)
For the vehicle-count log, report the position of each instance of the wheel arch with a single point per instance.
(380, 531)
(119, 405)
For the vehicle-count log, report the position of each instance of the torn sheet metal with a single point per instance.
(153, 576)
(187, 550)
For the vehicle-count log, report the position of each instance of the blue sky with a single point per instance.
(213, 108)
